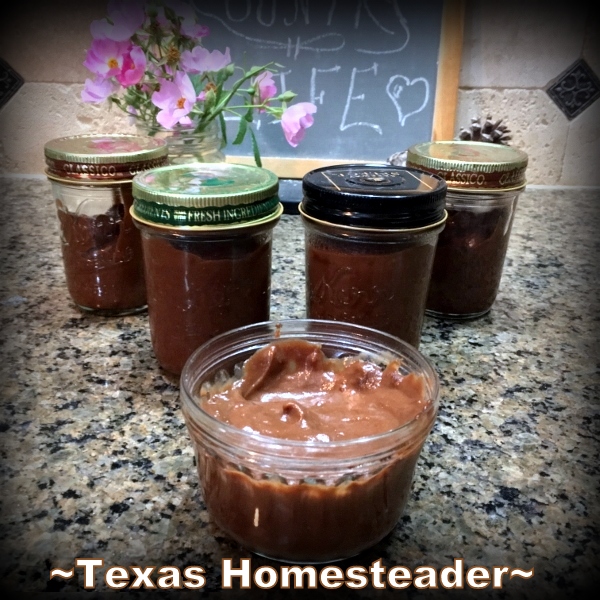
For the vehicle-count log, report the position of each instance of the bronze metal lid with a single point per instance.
(199, 195)
(471, 166)
(92, 158)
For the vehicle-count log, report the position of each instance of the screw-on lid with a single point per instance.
(200, 195)
(100, 158)
(373, 196)
(471, 166)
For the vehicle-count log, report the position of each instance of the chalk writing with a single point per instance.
(369, 66)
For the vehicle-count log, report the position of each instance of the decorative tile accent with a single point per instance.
(575, 89)
(10, 82)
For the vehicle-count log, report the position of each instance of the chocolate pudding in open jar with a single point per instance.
(91, 179)
(484, 182)
(207, 231)
(307, 434)
(371, 233)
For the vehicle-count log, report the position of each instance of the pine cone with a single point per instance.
(398, 159)
(494, 132)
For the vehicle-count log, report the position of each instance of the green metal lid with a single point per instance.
(471, 166)
(99, 157)
(199, 195)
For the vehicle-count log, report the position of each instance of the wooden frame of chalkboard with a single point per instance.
(383, 74)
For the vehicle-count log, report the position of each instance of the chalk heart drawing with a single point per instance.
(401, 90)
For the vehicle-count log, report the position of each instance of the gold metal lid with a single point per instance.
(205, 194)
(471, 166)
(99, 157)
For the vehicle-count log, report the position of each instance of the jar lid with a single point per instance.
(98, 157)
(199, 195)
(376, 196)
(467, 165)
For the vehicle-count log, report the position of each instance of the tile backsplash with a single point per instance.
(535, 66)
(575, 89)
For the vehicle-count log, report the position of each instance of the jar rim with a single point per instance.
(256, 335)
(379, 230)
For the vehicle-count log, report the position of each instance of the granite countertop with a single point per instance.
(96, 461)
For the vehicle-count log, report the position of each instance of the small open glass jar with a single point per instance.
(484, 182)
(315, 500)
(91, 179)
(371, 233)
(207, 231)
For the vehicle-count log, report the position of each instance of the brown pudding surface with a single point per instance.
(290, 389)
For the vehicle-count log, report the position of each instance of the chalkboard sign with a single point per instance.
(377, 71)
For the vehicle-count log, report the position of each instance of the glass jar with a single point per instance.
(207, 232)
(370, 238)
(484, 182)
(185, 144)
(91, 179)
(305, 501)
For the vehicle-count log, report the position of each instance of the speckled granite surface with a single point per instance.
(95, 458)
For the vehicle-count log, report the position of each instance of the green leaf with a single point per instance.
(255, 149)
(239, 138)
(223, 125)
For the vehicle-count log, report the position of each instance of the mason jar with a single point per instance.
(91, 179)
(484, 183)
(299, 500)
(370, 238)
(207, 232)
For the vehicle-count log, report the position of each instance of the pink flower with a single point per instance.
(175, 99)
(193, 30)
(97, 90)
(105, 57)
(266, 88)
(134, 67)
(124, 18)
(200, 60)
(295, 120)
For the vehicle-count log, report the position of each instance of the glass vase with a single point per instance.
(187, 145)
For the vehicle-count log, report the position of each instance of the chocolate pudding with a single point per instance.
(484, 181)
(468, 264)
(207, 231)
(384, 288)
(311, 509)
(200, 286)
(102, 256)
(370, 237)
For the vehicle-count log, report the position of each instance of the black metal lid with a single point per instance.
(377, 196)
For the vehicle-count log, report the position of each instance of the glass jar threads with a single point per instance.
(91, 179)
(371, 233)
(484, 182)
(207, 240)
